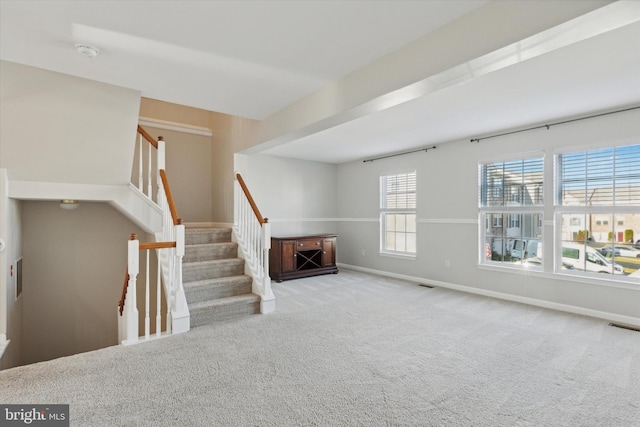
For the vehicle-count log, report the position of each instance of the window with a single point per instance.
(510, 207)
(602, 188)
(398, 214)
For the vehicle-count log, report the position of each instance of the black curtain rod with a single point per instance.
(554, 124)
(400, 154)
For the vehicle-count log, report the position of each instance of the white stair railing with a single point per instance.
(253, 234)
(169, 248)
(129, 331)
(145, 148)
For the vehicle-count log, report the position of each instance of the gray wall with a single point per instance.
(74, 264)
(298, 197)
(447, 185)
(303, 197)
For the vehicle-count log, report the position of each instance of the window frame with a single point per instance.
(600, 210)
(512, 205)
(386, 211)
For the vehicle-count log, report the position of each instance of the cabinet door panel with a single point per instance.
(328, 252)
(288, 256)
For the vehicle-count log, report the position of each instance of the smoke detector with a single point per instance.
(88, 51)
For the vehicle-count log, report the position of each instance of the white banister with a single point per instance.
(254, 240)
(170, 252)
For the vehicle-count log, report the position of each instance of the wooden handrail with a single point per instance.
(124, 290)
(157, 245)
(148, 137)
(172, 204)
(142, 246)
(256, 211)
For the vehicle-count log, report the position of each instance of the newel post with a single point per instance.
(181, 321)
(130, 313)
(268, 300)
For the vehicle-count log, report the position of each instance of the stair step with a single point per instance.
(221, 287)
(203, 270)
(206, 312)
(195, 236)
(210, 251)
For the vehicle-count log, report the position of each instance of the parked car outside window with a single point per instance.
(624, 251)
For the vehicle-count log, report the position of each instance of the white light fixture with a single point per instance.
(88, 51)
(69, 204)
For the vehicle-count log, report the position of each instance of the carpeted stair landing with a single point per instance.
(213, 277)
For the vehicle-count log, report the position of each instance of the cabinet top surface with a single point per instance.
(305, 236)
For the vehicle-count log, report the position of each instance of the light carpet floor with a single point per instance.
(356, 350)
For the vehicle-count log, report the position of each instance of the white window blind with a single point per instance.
(511, 204)
(597, 200)
(604, 177)
(512, 183)
(398, 214)
(398, 191)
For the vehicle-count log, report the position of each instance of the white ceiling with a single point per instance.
(246, 58)
(253, 58)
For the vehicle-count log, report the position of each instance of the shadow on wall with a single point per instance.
(74, 262)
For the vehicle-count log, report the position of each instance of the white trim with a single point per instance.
(424, 220)
(448, 221)
(635, 321)
(178, 127)
(271, 220)
(583, 279)
(406, 256)
(526, 155)
(614, 143)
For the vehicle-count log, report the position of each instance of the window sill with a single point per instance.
(396, 255)
(585, 279)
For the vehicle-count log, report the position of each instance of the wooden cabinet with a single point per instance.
(302, 256)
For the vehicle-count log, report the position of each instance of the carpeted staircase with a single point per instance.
(213, 277)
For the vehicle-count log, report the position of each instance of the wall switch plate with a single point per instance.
(447, 263)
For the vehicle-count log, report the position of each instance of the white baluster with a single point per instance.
(146, 300)
(140, 182)
(158, 301)
(149, 184)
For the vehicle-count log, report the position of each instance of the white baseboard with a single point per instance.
(612, 317)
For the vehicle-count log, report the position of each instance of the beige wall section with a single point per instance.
(73, 265)
(200, 168)
(60, 128)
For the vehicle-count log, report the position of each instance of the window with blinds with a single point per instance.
(398, 214)
(510, 208)
(604, 177)
(513, 183)
(597, 200)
